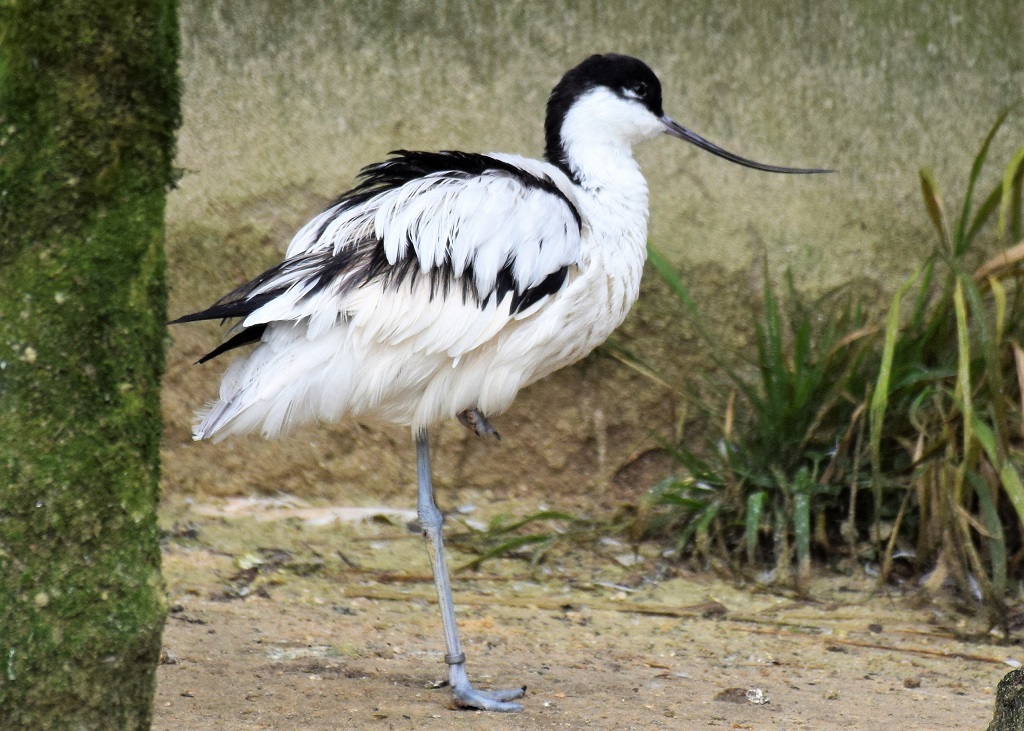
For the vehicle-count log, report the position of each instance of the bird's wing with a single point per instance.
(441, 247)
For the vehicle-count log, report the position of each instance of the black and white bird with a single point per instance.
(445, 282)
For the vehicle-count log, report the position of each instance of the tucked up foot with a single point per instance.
(478, 424)
(465, 695)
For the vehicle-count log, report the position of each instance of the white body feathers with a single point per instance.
(409, 351)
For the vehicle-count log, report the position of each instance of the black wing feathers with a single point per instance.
(406, 165)
(365, 261)
(245, 337)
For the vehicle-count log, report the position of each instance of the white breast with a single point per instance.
(575, 321)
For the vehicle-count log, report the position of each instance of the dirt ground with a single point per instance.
(291, 615)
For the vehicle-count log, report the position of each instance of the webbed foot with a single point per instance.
(464, 695)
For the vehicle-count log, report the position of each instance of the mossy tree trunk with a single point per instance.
(89, 104)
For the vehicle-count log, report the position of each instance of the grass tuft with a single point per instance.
(936, 388)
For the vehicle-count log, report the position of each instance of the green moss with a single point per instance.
(1009, 712)
(89, 96)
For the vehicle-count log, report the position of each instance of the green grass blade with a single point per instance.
(1009, 477)
(985, 437)
(999, 297)
(1013, 486)
(961, 242)
(698, 526)
(963, 376)
(804, 372)
(755, 508)
(990, 344)
(616, 350)
(1013, 171)
(936, 211)
(671, 277)
(923, 294)
(770, 356)
(880, 398)
(802, 524)
(996, 538)
(503, 548)
(985, 211)
(964, 399)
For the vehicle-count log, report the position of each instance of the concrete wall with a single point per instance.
(284, 102)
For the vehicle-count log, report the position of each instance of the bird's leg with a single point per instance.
(477, 423)
(463, 693)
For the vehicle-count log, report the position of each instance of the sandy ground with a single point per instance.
(284, 617)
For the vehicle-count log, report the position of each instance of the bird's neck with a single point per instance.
(607, 169)
(612, 194)
(598, 157)
(610, 181)
(592, 147)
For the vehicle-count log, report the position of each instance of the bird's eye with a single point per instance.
(640, 89)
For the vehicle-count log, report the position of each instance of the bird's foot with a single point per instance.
(464, 695)
(488, 700)
(478, 424)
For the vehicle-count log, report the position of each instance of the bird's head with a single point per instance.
(615, 100)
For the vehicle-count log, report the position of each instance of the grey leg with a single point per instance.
(463, 693)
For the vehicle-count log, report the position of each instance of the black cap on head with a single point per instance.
(623, 75)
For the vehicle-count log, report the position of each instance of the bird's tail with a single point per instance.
(210, 420)
(286, 381)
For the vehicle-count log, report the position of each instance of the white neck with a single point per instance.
(597, 137)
